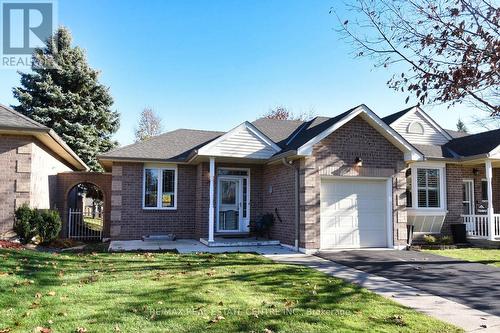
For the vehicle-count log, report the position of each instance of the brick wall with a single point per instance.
(15, 161)
(130, 221)
(67, 180)
(335, 155)
(455, 174)
(278, 192)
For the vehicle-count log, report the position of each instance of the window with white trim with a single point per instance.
(428, 188)
(416, 128)
(160, 188)
(484, 190)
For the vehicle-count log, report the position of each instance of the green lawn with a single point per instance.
(167, 292)
(93, 224)
(484, 256)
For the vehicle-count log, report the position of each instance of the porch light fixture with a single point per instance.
(358, 162)
(475, 171)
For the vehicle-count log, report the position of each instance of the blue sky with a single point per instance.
(214, 64)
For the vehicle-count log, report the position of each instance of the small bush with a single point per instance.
(446, 240)
(48, 225)
(24, 225)
(430, 239)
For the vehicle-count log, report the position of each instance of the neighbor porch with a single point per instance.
(481, 214)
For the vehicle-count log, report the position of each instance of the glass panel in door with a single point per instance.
(229, 213)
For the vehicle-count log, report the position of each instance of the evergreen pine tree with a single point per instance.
(461, 126)
(63, 92)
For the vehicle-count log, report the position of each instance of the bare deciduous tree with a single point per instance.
(149, 125)
(450, 49)
(282, 113)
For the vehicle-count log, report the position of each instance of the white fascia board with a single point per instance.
(436, 126)
(205, 150)
(411, 154)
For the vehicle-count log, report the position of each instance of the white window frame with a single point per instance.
(442, 186)
(411, 128)
(160, 169)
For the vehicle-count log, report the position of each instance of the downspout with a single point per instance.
(296, 199)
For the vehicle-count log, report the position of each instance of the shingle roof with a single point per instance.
(280, 131)
(395, 116)
(174, 146)
(475, 144)
(12, 119)
(456, 134)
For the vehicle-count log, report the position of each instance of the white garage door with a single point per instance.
(353, 213)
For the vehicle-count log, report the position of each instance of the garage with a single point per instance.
(354, 213)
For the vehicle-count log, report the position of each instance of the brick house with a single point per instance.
(31, 156)
(353, 180)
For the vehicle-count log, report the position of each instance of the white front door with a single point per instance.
(232, 202)
(353, 213)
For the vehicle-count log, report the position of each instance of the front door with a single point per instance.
(232, 203)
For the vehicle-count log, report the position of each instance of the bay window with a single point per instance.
(428, 187)
(160, 188)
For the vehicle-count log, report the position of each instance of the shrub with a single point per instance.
(429, 239)
(48, 225)
(24, 225)
(446, 240)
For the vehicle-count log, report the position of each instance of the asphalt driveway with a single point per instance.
(472, 284)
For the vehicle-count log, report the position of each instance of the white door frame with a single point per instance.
(242, 221)
(472, 203)
(389, 208)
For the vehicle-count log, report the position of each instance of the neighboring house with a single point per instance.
(31, 156)
(354, 180)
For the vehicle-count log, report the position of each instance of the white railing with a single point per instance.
(84, 227)
(478, 225)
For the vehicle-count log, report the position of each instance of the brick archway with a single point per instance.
(67, 180)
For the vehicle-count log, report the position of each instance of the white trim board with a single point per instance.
(411, 153)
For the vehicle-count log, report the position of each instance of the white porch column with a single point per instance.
(211, 210)
(491, 221)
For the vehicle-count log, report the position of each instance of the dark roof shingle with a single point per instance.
(475, 144)
(12, 119)
(174, 146)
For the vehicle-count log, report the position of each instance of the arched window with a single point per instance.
(416, 128)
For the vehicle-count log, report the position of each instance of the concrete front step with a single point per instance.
(238, 242)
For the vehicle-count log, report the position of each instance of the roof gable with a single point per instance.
(371, 118)
(418, 128)
(244, 141)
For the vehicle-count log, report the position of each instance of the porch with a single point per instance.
(480, 215)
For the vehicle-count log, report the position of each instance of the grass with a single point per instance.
(168, 292)
(484, 256)
(93, 223)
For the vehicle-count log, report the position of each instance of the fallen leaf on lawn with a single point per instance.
(81, 330)
(5, 330)
(160, 302)
(64, 314)
(216, 319)
(221, 303)
(50, 322)
(60, 274)
(40, 329)
(3, 274)
(117, 328)
(51, 293)
(38, 295)
(267, 330)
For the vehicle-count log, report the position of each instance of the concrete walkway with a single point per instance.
(469, 319)
(191, 246)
